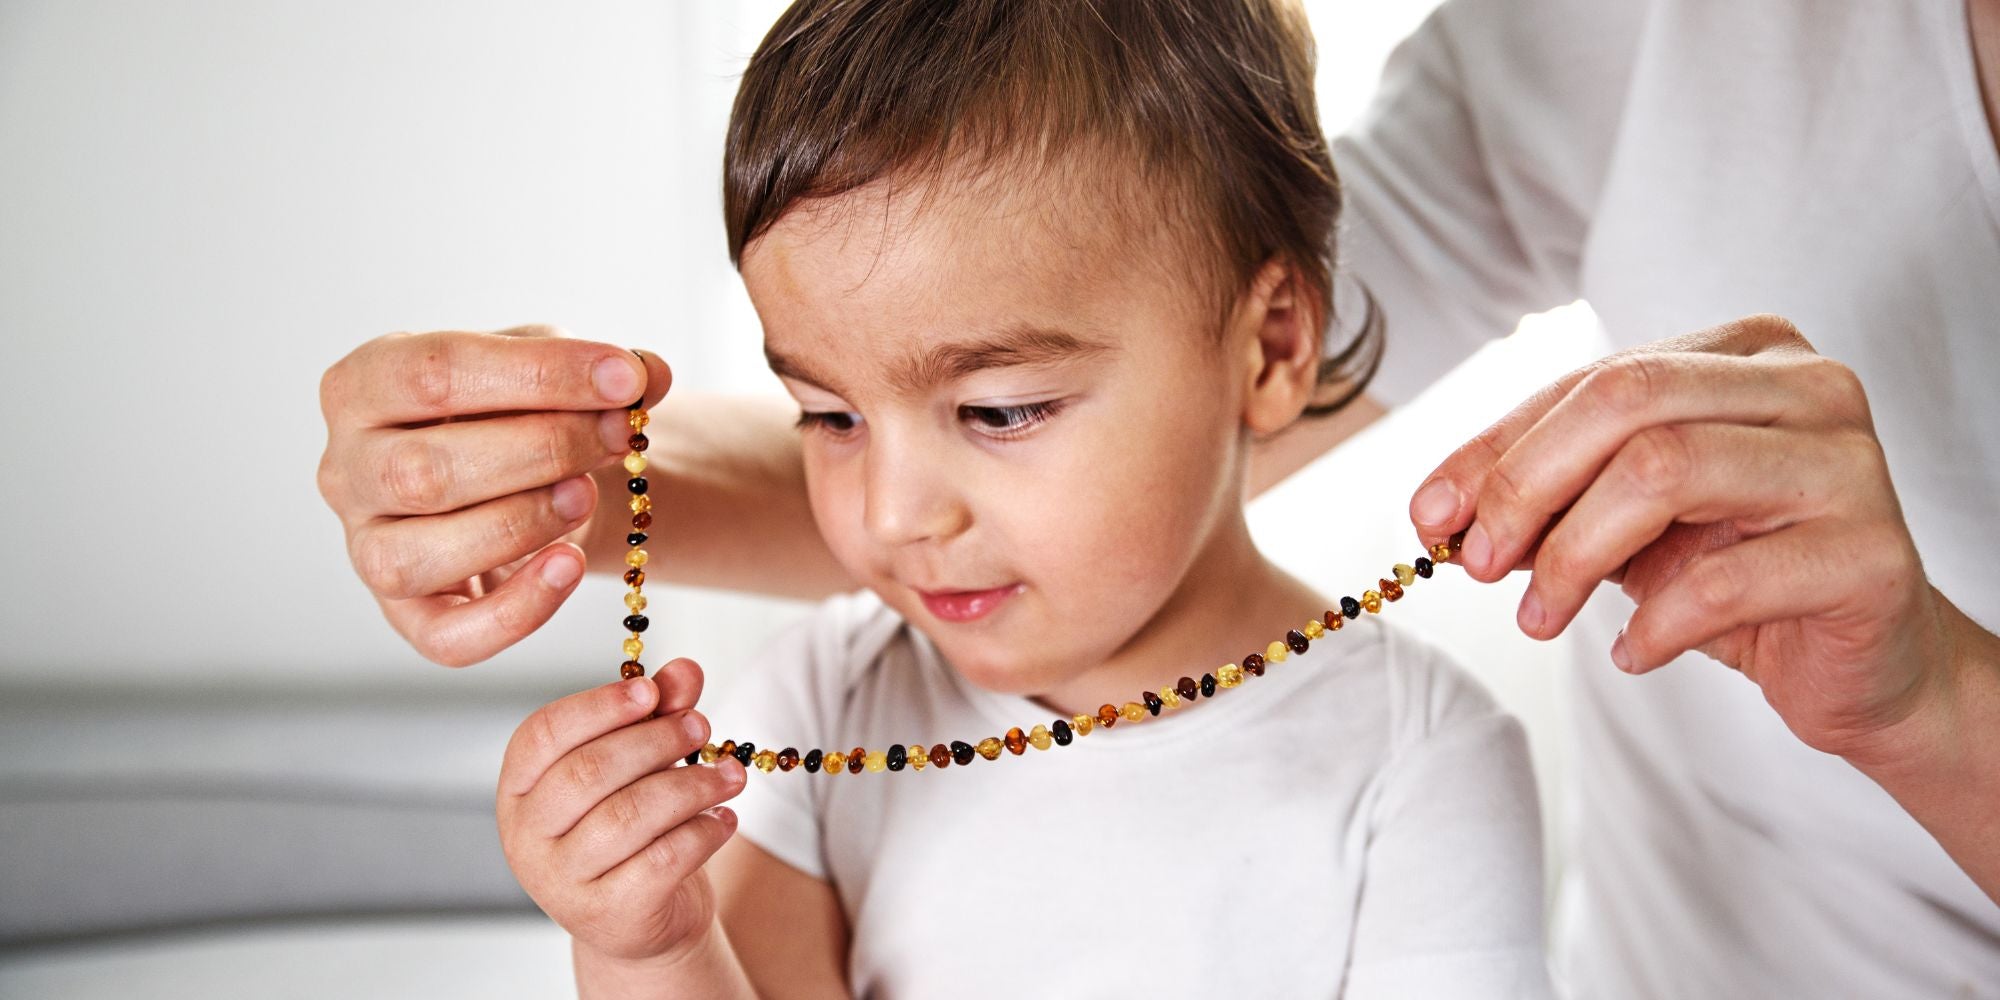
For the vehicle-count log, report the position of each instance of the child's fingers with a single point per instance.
(597, 770)
(563, 725)
(636, 816)
(657, 869)
(680, 681)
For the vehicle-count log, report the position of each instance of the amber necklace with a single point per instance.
(1061, 732)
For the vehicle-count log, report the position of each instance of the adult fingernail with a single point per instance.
(1436, 503)
(561, 570)
(1621, 656)
(1477, 548)
(617, 380)
(1532, 615)
(572, 499)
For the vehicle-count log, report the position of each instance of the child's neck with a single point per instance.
(1232, 601)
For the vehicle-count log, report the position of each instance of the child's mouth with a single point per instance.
(966, 605)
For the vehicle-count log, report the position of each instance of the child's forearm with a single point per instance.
(729, 501)
(708, 970)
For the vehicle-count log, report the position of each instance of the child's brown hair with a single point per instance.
(1211, 101)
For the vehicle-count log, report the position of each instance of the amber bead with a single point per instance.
(788, 758)
(1314, 629)
(728, 748)
(895, 758)
(1372, 601)
(990, 748)
(961, 752)
(1084, 724)
(1107, 715)
(941, 756)
(1039, 738)
(640, 418)
(765, 761)
(630, 669)
(1350, 607)
(635, 576)
(1062, 733)
(1333, 621)
(1228, 675)
(642, 520)
(633, 648)
(1405, 573)
(1187, 688)
(1132, 712)
(876, 761)
(640, 504)
(692, 757)
(1152, 702)
(1277, 652)
(1254, 664)
(1296, 641)
(744, 752)
(1423, 567)
(1017, 741)
(637, 442)
(635, 463)
(916, 755)
(636, 557)
(635, 602)
(1441, 552)
(1391, 590)
(636, 485)
(813, 759)
(1208, 685)
(834, 762)
(857, 759)
(710, 753)
(1170, 697)
(636, 623)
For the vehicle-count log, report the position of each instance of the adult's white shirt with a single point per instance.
(1678, 164)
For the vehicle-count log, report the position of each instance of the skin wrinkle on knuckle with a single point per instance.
(427, 379)
(378, 559)
(1713, 587)
(1657, 461)
(623, 808)
(662, 855)
(1628, 387)
(413, 477)
(587, 768)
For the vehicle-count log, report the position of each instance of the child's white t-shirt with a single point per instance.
(1361, 821)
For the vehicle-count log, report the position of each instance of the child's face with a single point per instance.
(1020, 429)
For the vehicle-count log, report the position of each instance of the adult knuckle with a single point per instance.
(1713, 585)
(331, 479)
(379, 560)
(1627, 386)
(1658, 460)
(415, 476)
(427, 377)
(1837, 388)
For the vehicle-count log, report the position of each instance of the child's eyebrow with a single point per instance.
(1020, 345)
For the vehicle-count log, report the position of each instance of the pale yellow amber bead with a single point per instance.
(1314, 629)
(639, 419)
(1276, 652)
(765, 760)
(1083, 724)
(709, 753)
(876, 761)
(636, 557)
(633, 647)
(1405, 574)
(1372, 600)
(1132, 712)
(641, 504)
(1229, 675)
(1169, 697)
(635, 601)
(918, 756)
(1039, 738)
(990, 747)
(635, 463)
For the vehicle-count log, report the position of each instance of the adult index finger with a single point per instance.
(415, 378)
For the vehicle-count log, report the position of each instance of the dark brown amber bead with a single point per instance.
(812, 760)
(940, 756)
(693, 757)
(1187, 688)
(1254, 664)
(857, 759)
(1422, 566)
(635, 576)
(642, 520)
(1061, 732)
(745, 751)
(788, 758)
(630, 669)
(637, 442)
(1296, 641)
(636, 484)
(1456, 542)
(1350, 607)
(961, 752)
(1208, 685)
(636, 538)
(1391, 590)
(1152, 701)
(1107, 715)
(1017, 741)
(636, 623)
(898, 756)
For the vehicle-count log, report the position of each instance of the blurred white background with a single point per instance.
(206, 727)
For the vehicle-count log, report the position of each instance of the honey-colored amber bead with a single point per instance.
(940, 756)
(1406, 574)
(635, 576)
(1334, 620)
(641, 504)
(728, 748)
(633, 647)
(990, 748)
(635, 463)
(1132, 712)
(1039, 738)
(765, 761)
(1084, 724)
(918, 757)
(1314, 629)
(630, 669)
(1188, 689)
(1372, 601)
(833, 762)
(1441, 552)
(1253, 665)
(788, 758)
(857, 759)
(1391, 590)
(1229, 675)
(1107, 715)
(1017, 741)
(639, 419)
(1297, 642)
(636, 557)
(1276, 652)
(709, 753)
(635, 601)
(1170, 697)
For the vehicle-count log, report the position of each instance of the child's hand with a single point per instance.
(601, 829)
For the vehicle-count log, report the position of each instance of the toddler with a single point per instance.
(1038, 274)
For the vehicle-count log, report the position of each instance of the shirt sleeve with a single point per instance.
(1472, 177)
(1451, 898)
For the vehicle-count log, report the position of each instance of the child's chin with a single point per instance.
(996, 671)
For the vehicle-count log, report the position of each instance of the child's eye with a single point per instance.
(1008, 421)
(836, 422)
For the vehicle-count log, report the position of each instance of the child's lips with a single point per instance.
(966, 605)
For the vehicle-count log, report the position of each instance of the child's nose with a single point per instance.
(910, 499)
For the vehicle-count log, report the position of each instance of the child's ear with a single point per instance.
(1278, 324)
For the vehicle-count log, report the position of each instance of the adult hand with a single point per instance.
(459, 465)
(1732, 483)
